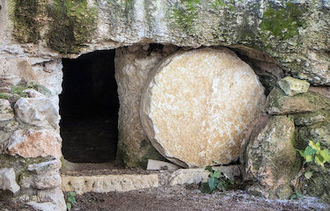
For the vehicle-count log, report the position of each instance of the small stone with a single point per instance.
(292, 86)
(161, 165)
(33, 143)
(6, 112)
(37, 111)
(8, 180)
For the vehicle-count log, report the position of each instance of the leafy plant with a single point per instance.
(71, 200)
(217, 181)
(314, 153)
(297, 195)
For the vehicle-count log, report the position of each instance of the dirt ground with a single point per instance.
(188, 198)
(178, 198)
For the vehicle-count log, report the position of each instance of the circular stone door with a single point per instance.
(198, 104)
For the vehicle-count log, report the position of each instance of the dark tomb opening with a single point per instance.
(89, 108)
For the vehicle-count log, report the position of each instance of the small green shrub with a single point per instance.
(314, 153)
(71, 200)
(217, 181)
(296, 195)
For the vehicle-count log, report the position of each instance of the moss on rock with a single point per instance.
(26, 24)
(283, 22)
(73, 24)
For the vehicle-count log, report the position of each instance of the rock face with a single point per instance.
(198, 104)
(34, 143)
(272, 160)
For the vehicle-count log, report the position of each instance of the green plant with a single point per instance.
(71, 200)
(297, 195)
(217, 180)
(314, 153)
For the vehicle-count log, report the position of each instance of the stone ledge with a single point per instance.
(108, 183)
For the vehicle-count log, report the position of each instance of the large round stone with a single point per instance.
(198, 104)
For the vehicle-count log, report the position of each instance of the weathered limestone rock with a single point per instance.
(133, 65)
(42, 168)
(54, 196)
(34, 143)
(6, 112)
(8, 180)
(31, 93)
(271, 159)
(198, 104)
(195, 176)
(37, 111)
(292, 86)
(46, 206)
(108, 183)
(279, 103)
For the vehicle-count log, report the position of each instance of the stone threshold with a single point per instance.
(121, 180)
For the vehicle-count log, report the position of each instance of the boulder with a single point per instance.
(37, 111)
(8, 180)
(33, 143)
(198, 104)
(271, 159)
(293, 86)
(278, 103)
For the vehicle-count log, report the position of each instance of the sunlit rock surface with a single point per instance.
(198, 104)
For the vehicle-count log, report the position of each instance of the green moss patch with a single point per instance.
(73, 23)
(283, 22)
(26, 26)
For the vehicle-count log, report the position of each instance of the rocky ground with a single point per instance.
(189, 198)
(179, 198)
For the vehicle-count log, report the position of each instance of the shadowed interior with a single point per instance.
(89, 108)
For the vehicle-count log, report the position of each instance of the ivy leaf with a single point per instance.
(316, 146)
(68, 205)
(308, 174)
(213, 183)
(309, 151)
(325, 154)
(217, 174)
(72, 193)
(72, 200)
(309, 158)
(319, 160)
(209, 168)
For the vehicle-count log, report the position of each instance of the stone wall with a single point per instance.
(276, 38)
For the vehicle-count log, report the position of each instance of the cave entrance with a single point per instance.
(89, 108)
